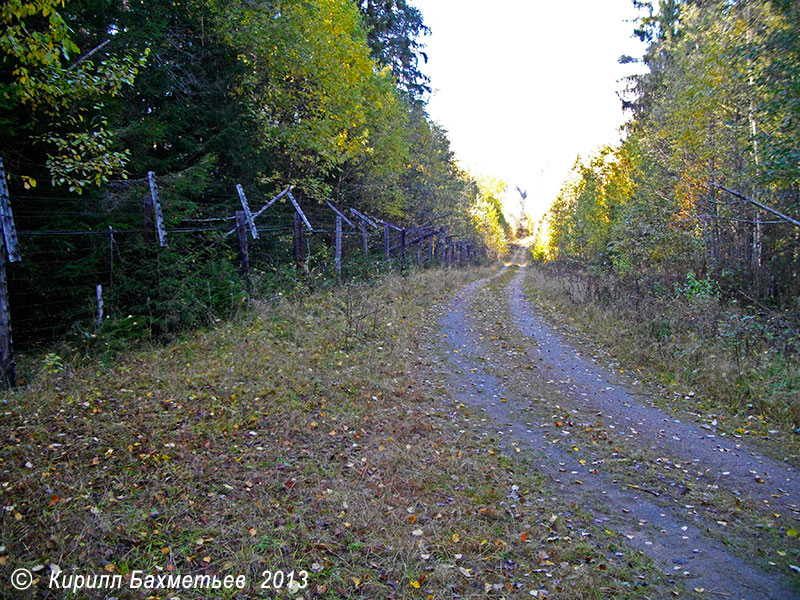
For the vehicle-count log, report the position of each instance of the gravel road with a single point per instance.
(681, 544)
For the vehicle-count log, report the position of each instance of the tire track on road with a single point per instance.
(767, 482)
(655, 530)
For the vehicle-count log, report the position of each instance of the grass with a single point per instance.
(312, 434)
(713, 362)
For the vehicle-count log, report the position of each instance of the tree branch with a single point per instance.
(88, 54)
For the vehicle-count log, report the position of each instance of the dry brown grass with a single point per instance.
(312, 434)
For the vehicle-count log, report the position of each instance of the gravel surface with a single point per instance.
(676, 542)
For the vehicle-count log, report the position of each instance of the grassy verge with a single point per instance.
(310, 435)
(737, 380)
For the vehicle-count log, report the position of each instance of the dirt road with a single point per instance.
(670, 487)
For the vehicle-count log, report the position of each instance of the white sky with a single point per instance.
(524, 86)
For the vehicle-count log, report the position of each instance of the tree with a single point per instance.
(393, 31)
(487, 215)
(716, 112)
(54, 102)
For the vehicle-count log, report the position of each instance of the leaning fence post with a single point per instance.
(386, 240)
(244, 255)
(246, 208)
(156, 202)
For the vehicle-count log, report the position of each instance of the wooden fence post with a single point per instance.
(299, 247)
(386, 240)
(337, 261)
(7, 364)
(98, 293)
(7, 219)
(161, 232)
(403, 247)
(364, 239)
(8, 246)
(244, 254)
(420, 242)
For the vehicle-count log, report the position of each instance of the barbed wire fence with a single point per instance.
(68, 264)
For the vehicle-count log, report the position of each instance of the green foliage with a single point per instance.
(52, 363)
(719, 104)
(39, 84)
(487, 215)
(698, 289)
(393, 32)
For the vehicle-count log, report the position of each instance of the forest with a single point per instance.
(707, 179)
(324, 95)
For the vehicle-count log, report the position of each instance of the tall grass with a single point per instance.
(726, 354)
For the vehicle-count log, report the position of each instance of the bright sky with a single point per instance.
(524, 86)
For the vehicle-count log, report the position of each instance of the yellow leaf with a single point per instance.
(792, 533)
(456, 538)
(414, 583)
